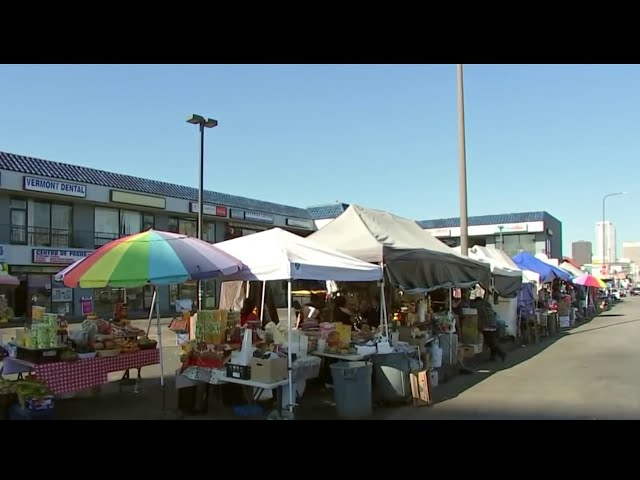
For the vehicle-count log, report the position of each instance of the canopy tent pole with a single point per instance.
(264, 289)
(289, 354)
(450, 328)
(153, 303)
(384, 317)
(157, 304)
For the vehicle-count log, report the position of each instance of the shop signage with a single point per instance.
(60, 295)
(213, 210)
(56, 187)
(58, 257)
(138, 199)
(512, 228)
(258, 217)
(440, 232)
(237, 214)
(296, 222)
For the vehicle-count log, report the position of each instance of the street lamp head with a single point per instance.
(196, 119)
(210, 123)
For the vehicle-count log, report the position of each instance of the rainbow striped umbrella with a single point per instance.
(151, 257)
(587, 280)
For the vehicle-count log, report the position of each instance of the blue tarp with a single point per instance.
(547, 272)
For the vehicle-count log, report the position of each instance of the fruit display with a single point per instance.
(26, 389)
(68, 356)
(145, 343)
(341, 350)
(128, 346)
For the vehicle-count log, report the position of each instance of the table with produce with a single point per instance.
(68, 361)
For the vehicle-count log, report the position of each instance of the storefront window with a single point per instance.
(106, 225)
(18, 221)
(61, 298)
(148, 221)
(209, 234)
(61, 224)
(188, 227)
(39, 290)
(104, 300)
(39, 217)
(514, 244)
(130, 222)
(172, 226)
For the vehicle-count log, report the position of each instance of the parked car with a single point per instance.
(635, 291)
(615, 293)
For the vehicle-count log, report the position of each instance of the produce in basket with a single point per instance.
(145, 343)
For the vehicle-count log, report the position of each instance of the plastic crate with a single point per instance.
(241, 372)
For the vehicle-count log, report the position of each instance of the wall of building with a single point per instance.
(82, 236)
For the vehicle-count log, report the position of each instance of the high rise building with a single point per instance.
(608, 252)
(581, 252)
(631, 251)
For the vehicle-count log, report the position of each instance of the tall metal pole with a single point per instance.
(201, 203)
(464, 221)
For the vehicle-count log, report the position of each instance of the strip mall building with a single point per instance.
(52, 214)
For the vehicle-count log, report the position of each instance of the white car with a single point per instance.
(615, 293)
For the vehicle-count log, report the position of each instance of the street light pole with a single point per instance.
(604, 236)
(464, 220)
(202, 123)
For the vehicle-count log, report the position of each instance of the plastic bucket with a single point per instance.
(352, 389)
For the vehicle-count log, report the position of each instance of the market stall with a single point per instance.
(280, 255)
(148, 258)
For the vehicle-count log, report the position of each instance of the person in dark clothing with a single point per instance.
(341, 313)
(488, 325)
(372, 314)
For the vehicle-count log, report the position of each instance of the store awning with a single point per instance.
(7, 280)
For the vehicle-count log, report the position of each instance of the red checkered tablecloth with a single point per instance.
(138, 359)
(65, 377)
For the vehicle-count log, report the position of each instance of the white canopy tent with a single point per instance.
(279, 255)
(507, 280)
(527, 275)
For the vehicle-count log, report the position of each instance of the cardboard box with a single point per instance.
(420, 388)
(469, 329)
(268, 371)
(466, 351)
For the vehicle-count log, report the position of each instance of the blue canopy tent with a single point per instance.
(547, 272)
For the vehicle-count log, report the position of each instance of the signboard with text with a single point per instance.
(57, 187)
(213, 210)
(58, 257)
(296, 222)
(258, 217)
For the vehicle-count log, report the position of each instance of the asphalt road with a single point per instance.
(591, 372)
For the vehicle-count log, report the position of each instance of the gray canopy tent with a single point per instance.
(413, 259)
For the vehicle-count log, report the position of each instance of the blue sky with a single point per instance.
(544, 137)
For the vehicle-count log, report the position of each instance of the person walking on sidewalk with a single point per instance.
(488, 324)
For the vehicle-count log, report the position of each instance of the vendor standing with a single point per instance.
(341, 313)
(488, 325)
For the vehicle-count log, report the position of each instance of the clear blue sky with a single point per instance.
(549, 138)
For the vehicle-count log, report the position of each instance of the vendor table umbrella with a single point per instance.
(587, 280)
(153, 258)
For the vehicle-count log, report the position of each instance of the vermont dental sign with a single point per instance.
(56, 187)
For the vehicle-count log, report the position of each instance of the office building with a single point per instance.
(581, 252)
(533, 232)
(608, 251)
(52, 214)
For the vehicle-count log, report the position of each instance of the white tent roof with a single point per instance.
(496, 262)
(569, 268)
(527, 275)
(279, 255)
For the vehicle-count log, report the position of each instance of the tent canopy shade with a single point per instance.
(507, 280)
(280, 255)
(547, 272)
(399, 243)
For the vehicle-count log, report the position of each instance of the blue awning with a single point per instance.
(547, 272)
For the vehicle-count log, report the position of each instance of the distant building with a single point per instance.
(609, 251)
(533, 232)
(323, 214)
(631, 250)
(581, 252)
